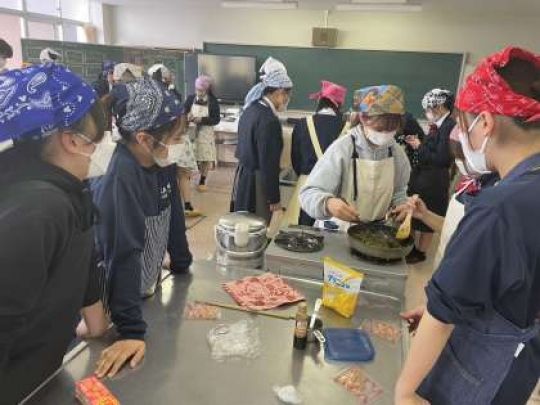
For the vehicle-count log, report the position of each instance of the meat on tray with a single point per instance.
(91, 391)
(360, 384)
(383, 330)
(262, 292)
(198, 311)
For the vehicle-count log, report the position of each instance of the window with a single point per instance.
(73, 33)
(41, 30)
(47, 7)
(75, 10)
(11, 4)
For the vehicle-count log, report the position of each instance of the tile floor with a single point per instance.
(215, 203)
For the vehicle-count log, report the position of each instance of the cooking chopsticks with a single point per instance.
(251, 311)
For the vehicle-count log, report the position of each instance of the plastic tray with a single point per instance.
(350, 345)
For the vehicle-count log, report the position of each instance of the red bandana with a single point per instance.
(485, 90)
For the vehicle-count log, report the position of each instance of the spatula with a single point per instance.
(404, 230)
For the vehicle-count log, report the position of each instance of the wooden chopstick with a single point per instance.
(241, 309)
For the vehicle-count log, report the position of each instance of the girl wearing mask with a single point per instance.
(363, 174)
(141, 216)
(202, 110)
(430, 178)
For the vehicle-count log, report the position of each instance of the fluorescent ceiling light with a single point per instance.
(267, 5)
(373, 7)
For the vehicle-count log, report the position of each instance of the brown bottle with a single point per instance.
(300, 329)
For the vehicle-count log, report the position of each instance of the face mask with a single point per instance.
(379, 138)
(460, 164)
(476, 159)
(174, 153)
(430, 116)
(100, 157)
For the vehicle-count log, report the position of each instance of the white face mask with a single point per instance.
(430, 116)
(174, 153)
(379, 138)
(476, 159)
(101, 156)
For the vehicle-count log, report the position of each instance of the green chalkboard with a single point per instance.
(414, 72)
(86, 59)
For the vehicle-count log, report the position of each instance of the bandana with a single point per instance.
(165, 72)
(121, 68)
(486, 90)
(331, 91)
(380, 100)
(435, 98)
(203, 82)
(49, 55)
(276, 78)
(148, 105)
(40, 99)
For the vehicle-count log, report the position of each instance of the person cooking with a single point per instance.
(310, 138)
(260, 142)
(430, 178)
(482, 301)
(202, 109)
(362, 175)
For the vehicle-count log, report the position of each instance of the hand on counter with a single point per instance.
(413, 317)
(115, 356)
(338, 208)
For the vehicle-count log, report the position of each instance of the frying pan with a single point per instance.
(384, 232)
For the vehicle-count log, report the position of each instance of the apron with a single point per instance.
(187, 159)
(293, 210)
(369, 186)
(454, 215)
(475, 361)
(205, 143)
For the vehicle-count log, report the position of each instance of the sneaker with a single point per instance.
(193, 213)
(202, 188)
(415, 257)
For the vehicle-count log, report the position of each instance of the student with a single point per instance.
(361, 176)
(6, 52)
(49, 55)
(260, 142)
(482, 302)
(310, 138)
(202, 110)
(269, 65)
(163, 74)
(46, 221)
(430, 178)
(410, 127)
(104, 81)
(141, 217)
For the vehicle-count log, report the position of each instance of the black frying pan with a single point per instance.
(378, 240)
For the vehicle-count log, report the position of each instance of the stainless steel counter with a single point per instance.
(178, 368)
(383, 278)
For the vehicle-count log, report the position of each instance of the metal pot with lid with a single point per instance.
(240, 236)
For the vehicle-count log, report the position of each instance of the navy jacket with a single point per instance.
(126, 197)
(328, 128)
(213, 110)
(260, 142)
(435, 151)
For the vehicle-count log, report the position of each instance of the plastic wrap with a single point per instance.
(237, 340)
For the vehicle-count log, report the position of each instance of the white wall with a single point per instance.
(451, 31)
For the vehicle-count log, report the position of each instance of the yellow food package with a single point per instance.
(341, 287)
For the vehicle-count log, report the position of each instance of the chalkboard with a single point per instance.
(415, 72)
(86, 59)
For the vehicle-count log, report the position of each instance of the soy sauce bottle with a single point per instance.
(301, 326)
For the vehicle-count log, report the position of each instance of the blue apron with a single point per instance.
(475, 361)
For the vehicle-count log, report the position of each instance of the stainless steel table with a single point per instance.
(178, 368)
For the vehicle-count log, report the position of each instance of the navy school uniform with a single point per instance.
(260, 142)
(487, 286)
(141, 218)
(328, 128)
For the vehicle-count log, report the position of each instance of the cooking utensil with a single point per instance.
(316, 309)
(241, 309)
(357, 233)
(404, 230)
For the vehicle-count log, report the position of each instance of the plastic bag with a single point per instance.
(288, 394)
(341, 287)
(240, 339)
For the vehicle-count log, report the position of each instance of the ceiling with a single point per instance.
(528, 8)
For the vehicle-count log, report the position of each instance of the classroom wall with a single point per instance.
(10, 31)
(443, 30)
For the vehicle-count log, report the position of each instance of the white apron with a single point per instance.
(293, 209)
(454, 215)
(205, 143)
(374, 183)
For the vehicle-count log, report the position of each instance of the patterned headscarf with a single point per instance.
(277, 79)
(203, 83)
(40, 99)
(165, 72)
(486, 90)
(121, 68)
(436, 97)
(148, 105)
(380, 100)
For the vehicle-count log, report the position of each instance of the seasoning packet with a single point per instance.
(198, 312)
(383, 330)
(360, 384)
(341, 287)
